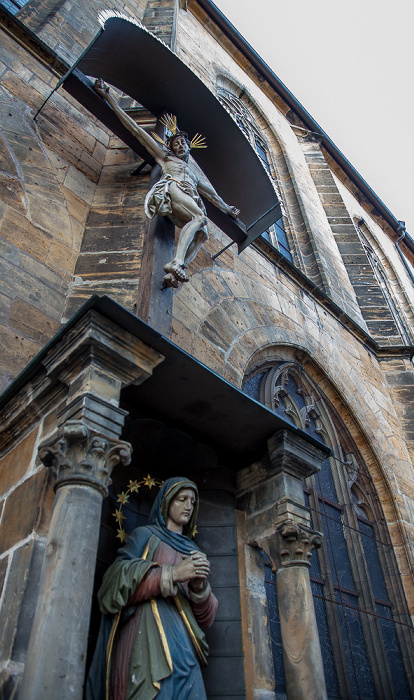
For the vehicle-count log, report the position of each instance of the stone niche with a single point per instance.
(64, 432)
(163, 451)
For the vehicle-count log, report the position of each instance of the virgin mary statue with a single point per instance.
(155, 598)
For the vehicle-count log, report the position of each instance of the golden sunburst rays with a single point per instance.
(170, 123)
(159, 139)
(198, 141)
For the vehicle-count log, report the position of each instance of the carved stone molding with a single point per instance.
(293, 455)
(291, 545)
(79, 455)
(79, 376)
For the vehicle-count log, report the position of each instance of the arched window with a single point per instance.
(391, 310)
(363, 622)
(276, 234)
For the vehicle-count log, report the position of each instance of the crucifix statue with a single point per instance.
(177, 194)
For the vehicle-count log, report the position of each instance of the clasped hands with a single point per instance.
(195, 568)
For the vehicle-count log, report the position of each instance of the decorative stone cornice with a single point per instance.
(97, 348)
(83, 370)
(294, 456)
(79, 455)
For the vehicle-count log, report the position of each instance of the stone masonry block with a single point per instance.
(111, 238)
(13, 593)
(23, 510)
(3, 569)
(16, 463)
(31, 322)
(15, 351)
(28, 604)
(11, 193)
(103, 266)
(18, 230)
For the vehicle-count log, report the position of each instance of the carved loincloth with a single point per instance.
(158, 199)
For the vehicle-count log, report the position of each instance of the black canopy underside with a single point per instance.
(136, 62)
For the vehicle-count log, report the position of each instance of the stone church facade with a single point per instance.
(280, 380)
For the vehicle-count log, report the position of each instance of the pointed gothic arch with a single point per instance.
(388, 282)
(363, 621)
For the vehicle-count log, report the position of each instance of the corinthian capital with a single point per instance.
(291, 544)
(79, 455)
(296, 543)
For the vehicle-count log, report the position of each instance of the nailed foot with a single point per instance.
(177, 270)
(170, 281)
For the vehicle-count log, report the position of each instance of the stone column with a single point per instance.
(82, 460)
(278, 523)
(94, 361)
(291, 550)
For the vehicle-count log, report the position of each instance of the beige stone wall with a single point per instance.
(210, 55)
(65, 173)
(26, 500)
(48, 175)
(68, 26)
(109, 261)
(243, 310)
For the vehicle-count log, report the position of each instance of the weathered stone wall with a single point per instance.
(369, 292)
(26, 500)
(203, 47)
(110, 256)
(399, 376)
(68, 26)
(72, 225)
(382, 239)
(233, 314)
(48, 172)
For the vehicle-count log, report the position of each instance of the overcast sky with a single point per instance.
(351, 65)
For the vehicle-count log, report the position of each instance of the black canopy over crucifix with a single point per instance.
(135, 61)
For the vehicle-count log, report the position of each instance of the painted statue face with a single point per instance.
(180, 146)
(181, 509)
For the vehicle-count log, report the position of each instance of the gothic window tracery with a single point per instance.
(363, 623)
(276, 234)
(383, 280)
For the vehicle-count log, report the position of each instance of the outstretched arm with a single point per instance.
(150, 144)
(207, 191)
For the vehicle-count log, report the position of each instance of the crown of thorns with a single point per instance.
(170, 123)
